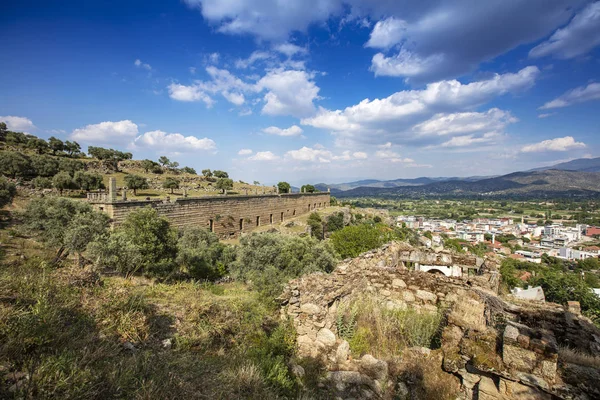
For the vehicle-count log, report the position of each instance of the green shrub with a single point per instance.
(269, 260)
(201, 254)
(354, 240)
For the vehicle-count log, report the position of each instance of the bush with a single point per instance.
(143, 243)
(201, 255)
(40, 182)
(8, 191)
(270, 260)
(316, 225)
(354, 240)
(335, 222)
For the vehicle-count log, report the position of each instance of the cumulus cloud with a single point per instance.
(264, 156)
(289, 49)
(387, 33)
(391, 118)
(138, 63)
(459, 35)
(17, 124)
(392, 156)
(293, 130)
(175, 142)
(360, 155)
(189, 93)
(545, 115)
(119, 132)
(319, 154)
(466, 122)
(574, 96)
(559, 144)
(580, 36)
(244, 152)
(289, 92)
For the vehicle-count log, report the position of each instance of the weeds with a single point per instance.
(372, 328)
(572, 356)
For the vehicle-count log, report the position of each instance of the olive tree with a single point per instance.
(8, 191)
(171, 183)
(284, 187)
(135, 182)
(224, 184)
(62, 181)
(13, 164)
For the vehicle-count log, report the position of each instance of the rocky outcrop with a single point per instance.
(498, 350)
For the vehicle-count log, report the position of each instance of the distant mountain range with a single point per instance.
(577, 178)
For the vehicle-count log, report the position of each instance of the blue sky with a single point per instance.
(310, 91)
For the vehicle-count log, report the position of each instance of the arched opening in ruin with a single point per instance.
(282, 216)
(258, 221)
(211, 225)
(271, 219)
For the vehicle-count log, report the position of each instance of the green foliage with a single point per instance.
(7, 192)
(270, 260)
(38, 145)
(354, 240)
(164, 161)
(207, 173)
(589, 264)
(72, 148)
(335, 222)
(61, 222)
(171, 183)
(218, 174)
(111, 157)
(56, 145)
(14, 164)
(40, 182)
(70, 166)
(562, 287)
(136, 182)
(143, 243)
(316, 225)
(284, 187)
(188, 170)
(87, 181)
(44, 165)
(455, 245)
(147, 165)
(308, 189)
(63, 181)
(224, 184)
(201, 255)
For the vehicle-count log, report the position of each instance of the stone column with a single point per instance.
(112, 189)
(277, 189)
(185, 194)
(328, 190)
(124, 195)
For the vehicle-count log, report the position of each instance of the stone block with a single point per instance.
(408, 296)
(310, 309)
(518, 358)
(426, 296)
(398, 283)
(326, 337)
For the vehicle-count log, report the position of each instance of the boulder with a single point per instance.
(310, 309)
(426, 296)
(374, 368)
(398, 283)
(326, 337)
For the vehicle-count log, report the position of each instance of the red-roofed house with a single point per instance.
(592, 231)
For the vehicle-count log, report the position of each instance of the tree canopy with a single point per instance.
(171, 183)
(224, 184)
(8, 191)
(284, 187)
(136, 182)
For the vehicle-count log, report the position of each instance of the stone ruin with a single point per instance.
(491, 348)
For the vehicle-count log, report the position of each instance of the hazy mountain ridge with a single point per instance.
(532, 184)
(580, 164)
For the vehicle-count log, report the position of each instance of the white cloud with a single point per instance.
(469, 140)
(404, 64)
(387, 33)
(213, 58)
(119, 132)
(264, 156)
(176, 142)
(138, 63)
(293, 130)
(289, 49)
(574, 96)
(559, 144)
(244, 152)
(192, 70)
(580, 36)
(466, 122)
(391, 118)
(189, 93)
(253, 58)
(235, 98)
(392, 156)
(360, 155)
(546, 115)
(289, 93)
(461, 34)
(18, 124)
(310, 154)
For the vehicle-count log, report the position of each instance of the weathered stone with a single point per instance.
(469, 380)
(398, 283)
(310, 309)
(326, 337)
(408, 296)
(385, 293)
(374, 368)
(518, 358)
(487, 390)
(426, 296)
(342, 352)
(514, 390)
(548, 369)
(511, 334)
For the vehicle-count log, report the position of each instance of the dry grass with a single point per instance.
(572, 356)
(370, 327)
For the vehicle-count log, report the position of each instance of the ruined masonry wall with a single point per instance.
(227, 215)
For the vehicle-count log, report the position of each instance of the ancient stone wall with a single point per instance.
(227, 216)
(493, 349)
